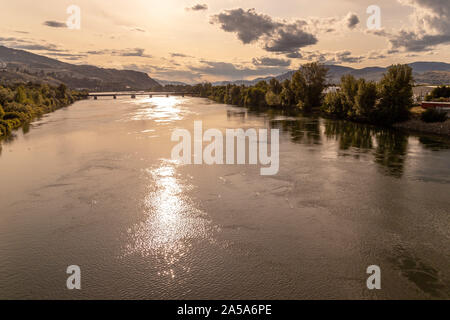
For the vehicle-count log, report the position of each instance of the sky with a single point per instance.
(214, 40)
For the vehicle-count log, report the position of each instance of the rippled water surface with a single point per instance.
(93, 185)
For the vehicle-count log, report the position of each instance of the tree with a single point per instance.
(273, 99)
(2, 112)
(61, 91)
(255, 97)
(287, 96)
(235, 95)
(349, 90)
(275, 86)
(396, 94)
(333, 104)
(439, 92)
(308, 84)
(365, 100)
(21, 95)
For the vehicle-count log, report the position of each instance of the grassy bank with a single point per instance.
(20, 104)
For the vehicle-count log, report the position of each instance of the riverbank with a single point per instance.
(438, 128)
(20, 104)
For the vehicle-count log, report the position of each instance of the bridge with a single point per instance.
(133, 95)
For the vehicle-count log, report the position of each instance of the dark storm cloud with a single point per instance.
(55, 24)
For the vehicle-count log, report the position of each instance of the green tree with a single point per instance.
(308, 85)
(275, 86)
(255, 97)
(349, 90)
(21, 96)
(396, 94)
(333, 104)
(287, 96)
(273, 99)
(2, 112)
(365, 100)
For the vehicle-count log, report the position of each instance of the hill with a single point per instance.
(23, 66)
(433, 73)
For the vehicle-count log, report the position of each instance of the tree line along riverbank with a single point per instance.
(21, 103)
(386, 103)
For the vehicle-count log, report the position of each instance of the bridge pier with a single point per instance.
(167, 96)
(133, 96)
(150, 96)
(95, 97)
(115, 97)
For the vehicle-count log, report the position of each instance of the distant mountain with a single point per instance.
(434, 73)
(19, 65)
(168, 82)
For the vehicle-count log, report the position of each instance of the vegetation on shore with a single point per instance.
(383, 103)
(21, 103)
(439, 94)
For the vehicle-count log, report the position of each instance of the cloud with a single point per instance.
(198, 7)
(272, 62)
(67, 56)
(133, 52)
(289, 38)
(352, 20)
(430, 26)
(55, 24)
(38, 47)
(280, 36)
(32, 45)
(166, 72)
(347, 57)
(332, 58)
(249, 25)
(138, 29)
(179, 55)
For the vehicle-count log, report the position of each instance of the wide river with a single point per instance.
(94, 185)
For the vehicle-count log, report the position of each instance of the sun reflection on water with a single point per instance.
(160, 109)
(172, 221)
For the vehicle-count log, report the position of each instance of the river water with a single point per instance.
(93, 185)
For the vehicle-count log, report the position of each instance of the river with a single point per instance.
(93, 185)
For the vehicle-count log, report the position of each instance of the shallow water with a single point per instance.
(93, 185)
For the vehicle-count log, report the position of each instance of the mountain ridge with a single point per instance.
(21, 65)
(433, 73)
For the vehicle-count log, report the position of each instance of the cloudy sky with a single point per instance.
(214, 40)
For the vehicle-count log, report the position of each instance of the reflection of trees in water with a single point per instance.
(391, 151)
(389, 147)
(303, 130)
(350, 135)
(434, 143)
(25, 129)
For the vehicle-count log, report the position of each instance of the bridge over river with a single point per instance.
(133, 95)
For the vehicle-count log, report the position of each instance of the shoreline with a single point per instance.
(441, 129)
